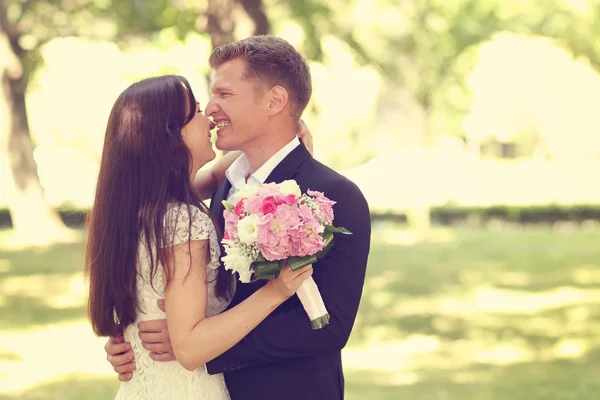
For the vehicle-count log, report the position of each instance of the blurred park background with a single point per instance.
(470, 125)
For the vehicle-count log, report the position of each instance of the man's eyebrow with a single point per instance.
(219, 87)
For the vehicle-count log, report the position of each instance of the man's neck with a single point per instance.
(262, 152)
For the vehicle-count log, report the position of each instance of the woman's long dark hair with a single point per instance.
(145, 165)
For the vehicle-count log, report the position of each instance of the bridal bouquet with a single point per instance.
(272, 225)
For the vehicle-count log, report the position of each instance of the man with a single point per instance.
(260, 88)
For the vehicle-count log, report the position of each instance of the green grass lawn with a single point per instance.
(468, 314)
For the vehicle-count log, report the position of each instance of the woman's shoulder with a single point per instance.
(180, 209)
(187, 221)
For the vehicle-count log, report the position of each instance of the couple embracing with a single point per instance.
(181, 326)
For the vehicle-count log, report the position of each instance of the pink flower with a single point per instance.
(291, 199)
(268, 205)
(273, 239)
(313, 245)
(306, 213)
(310, 241)
(268, 189)
(231, 221)
(287, 226)
(288, 215)
(325, 206)
(239, 208)
(253, 205)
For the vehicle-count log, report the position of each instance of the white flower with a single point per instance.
(248, 229)
(245, 276)
(237, 261)
(246, 191)
(290, 187)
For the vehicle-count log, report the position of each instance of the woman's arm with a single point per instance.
(197, 339)
(207, 181)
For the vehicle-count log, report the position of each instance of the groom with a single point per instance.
(260, 88)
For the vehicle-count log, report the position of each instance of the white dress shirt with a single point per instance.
(238, 171)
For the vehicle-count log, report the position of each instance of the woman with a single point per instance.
(151, 237)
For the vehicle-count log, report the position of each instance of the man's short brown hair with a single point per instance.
(270, 61)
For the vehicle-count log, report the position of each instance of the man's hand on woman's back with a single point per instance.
(155, 339)
(120, 355)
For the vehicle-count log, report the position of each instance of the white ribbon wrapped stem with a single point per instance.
(311, 300)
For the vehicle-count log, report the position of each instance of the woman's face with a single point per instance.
(196, 136)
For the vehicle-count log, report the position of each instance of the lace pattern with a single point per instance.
(169, 380)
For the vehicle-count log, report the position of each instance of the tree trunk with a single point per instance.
(220, 24)
(33, 220)
(256, 12)
(419, 216)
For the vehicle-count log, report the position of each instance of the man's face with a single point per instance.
(236, 106)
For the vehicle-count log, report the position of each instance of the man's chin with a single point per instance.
(224, 146)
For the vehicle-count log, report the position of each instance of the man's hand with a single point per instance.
(305, 136)
(120, 356)
(155, 337)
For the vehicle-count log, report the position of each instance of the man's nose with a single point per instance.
(211, 108)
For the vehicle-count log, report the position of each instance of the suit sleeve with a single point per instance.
(287, 334)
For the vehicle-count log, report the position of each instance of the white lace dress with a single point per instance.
(169, 380)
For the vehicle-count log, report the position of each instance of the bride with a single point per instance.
(151, 237)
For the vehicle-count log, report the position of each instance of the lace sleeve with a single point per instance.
(183, 224)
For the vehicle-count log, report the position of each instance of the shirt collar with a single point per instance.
(238, 171)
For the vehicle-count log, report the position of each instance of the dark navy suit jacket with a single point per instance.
(283, 358)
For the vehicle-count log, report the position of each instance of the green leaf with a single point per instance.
(300, 262)
(328, 237)
(320, 322)
(341, 229)
(228, 206)
(265, 270)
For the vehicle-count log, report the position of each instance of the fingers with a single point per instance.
(117, 339)
(120, 359)
(287, 271)
(154, 337)
(157, 347)
(305, 135)
(161, 305)
(120, 356)
(156, 325)
(125, 368)
(302, 129)
(307, 140)
(125, 377)
(306, 273)
(113, 348)
(162, 357)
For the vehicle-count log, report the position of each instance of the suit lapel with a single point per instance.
(288, 167)
(216, 205)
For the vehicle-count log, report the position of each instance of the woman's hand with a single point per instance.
(289, 281)
(305, 136)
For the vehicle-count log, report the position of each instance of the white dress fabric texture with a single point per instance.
(169, 380)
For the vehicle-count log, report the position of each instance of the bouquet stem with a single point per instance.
(311, 300)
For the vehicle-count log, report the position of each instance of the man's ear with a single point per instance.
(278, 99)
